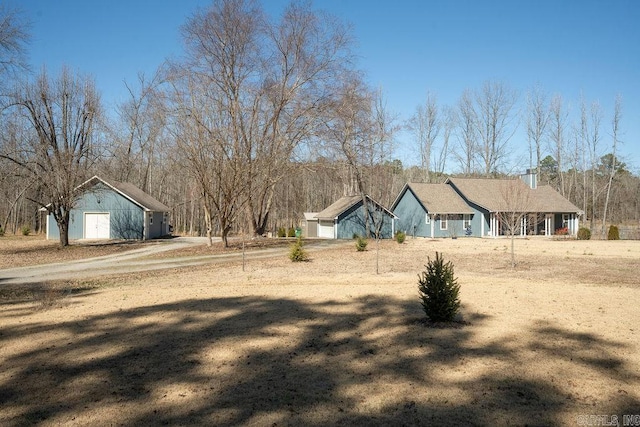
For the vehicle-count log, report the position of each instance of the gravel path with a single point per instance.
(133, 261)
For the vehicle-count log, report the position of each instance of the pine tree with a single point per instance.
(438, 290)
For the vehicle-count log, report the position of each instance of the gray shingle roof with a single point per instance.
(500, 195)
(440, 198)
(344, 203)
(137, 195)
(337, 207)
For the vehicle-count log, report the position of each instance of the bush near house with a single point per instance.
(26, 230)
(361, 244)
(291, 232)
(281, 232)
(562, 231)
(614, 233)
(584, 233)
(400, 237)
(438, 289)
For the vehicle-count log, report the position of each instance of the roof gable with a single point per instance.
(439, 198)
(345, 203)
(130, 192)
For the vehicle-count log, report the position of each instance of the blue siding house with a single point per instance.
(544, 211)
(346, 218)
(113, 210)
(481, 207)
(433, 210)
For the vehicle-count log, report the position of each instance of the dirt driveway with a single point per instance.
(134, 261)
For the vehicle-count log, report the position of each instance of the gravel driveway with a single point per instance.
(133, 261)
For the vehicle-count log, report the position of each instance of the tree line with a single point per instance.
(263, 118)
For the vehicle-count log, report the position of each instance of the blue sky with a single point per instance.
(572, 48)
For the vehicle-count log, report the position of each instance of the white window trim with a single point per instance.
(466, 221)
(444, 220)
(427, 218)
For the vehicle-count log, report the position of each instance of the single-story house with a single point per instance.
(345, 219)
(477, 207)
(431, 210)
(113, 210)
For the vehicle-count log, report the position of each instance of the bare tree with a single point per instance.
(494, 123)
(448, 127)
(593, 139)
(13, 40)
(615, 133)
(466, 133)
(516, 203)
(348, 129)
(425, 125)
(61, 150)
(557, 136)
(142, 121)
(537, 121)
(272, 79)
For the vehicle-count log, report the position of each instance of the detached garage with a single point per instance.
(113, 210)
(346, 218)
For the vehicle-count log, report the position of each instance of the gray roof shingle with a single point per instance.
(440, 198)
(500, 195)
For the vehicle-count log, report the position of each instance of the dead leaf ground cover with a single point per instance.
(331, 342)
(20, 251)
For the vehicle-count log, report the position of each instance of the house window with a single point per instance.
(466, 221)
(427, 219)
(443, 222)
(565, 220)
(150, 218)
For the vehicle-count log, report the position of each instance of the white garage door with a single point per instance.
(325, 229)
(96, 226)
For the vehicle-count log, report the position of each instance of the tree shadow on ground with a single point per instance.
(234, 361)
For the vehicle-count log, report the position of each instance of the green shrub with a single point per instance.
(438, 289)
(291, 232)
(282, 232)
(361, 244)
(400, 237)
(584, 233)
(26, 230)
(297, 252)
(614, 233)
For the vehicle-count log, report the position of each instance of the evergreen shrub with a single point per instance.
(297, 252)
(584, 233)
(614, 233)
(438, 289)
(361, 244)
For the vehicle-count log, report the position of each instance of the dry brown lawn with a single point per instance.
(20, 251)
(330, 342)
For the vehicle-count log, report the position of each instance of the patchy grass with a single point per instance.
(21, 251)
(332, 343)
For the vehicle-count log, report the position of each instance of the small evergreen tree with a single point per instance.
(584, 233)
(438, 290)
(400, 237)
(297, 252)
(614, 233)
(361, 244)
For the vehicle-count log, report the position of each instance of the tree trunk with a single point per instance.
(207, 221)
